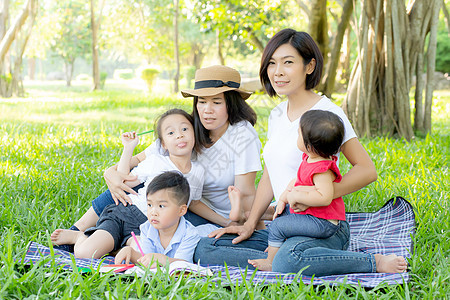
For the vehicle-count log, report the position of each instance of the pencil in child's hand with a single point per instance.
(145, 132)
(137, 243)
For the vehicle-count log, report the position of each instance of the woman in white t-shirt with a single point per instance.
(291, 66)
(223, 123)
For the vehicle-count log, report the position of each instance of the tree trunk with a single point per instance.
(330, 74)
(31, 68)
(390, 51)
(447, 16)
(255, 40)
(177, 55)
(219, 46)
(95, 67)
(68, 67)
(431, 63)
(318, 26)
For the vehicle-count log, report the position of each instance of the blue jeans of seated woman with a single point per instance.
(322, 257)
(105, 199)
(288, 225)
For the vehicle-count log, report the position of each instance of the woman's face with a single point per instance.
(286, 70)
(213, 113)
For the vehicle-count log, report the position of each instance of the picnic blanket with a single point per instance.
(386, 231)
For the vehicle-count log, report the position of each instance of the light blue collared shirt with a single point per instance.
(181, 246)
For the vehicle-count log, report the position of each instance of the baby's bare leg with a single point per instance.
(265, 264)
(390, 263)
(89, 219)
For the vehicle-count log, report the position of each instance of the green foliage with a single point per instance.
(124, 74)
(443, 52)
(149, 75)
(55, 148)
(103, 76)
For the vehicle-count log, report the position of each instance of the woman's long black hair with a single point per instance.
(237, 109)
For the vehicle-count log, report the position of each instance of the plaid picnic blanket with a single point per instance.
(386, 231)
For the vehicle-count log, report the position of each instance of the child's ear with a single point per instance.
(183, 210)
(163, 146)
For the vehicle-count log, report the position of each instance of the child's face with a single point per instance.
(177, 135)
(163, 211)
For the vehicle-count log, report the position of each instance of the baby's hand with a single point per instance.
(130, 139)
(281, 205)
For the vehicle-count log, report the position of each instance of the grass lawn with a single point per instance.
(56, 143)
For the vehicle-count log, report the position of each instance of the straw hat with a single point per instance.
(214, 80)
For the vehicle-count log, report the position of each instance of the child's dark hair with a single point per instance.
(175, 182)
(323, 132)
(177, 111)
(237, 108)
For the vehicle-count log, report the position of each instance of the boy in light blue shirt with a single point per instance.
(166, 236)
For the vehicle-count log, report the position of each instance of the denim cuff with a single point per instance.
(275, 244)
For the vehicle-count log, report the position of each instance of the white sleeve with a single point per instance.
(247, 148)
(145, 168)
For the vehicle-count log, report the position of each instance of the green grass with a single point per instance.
(56, 143)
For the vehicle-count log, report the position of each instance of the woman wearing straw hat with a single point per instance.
(291, 65)
(223, 122)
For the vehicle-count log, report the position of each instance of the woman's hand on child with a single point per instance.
(115, 182)
(243, 232)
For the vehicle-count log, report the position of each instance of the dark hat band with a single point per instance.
(215, 84)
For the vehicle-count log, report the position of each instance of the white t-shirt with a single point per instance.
(237, 152)
(155, 164)
(281, 154)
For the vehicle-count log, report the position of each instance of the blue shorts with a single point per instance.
(119, 221)
(105, 199)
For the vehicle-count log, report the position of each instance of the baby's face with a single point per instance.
(163, 211)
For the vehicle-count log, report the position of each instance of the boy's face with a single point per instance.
(163, 211)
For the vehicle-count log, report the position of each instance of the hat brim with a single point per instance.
(214, 91)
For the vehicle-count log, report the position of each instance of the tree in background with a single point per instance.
(95, 26)
(70, 35)
(251, 21)
(19, 32)
(391, 49)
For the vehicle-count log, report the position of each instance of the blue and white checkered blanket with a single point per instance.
(386, 231)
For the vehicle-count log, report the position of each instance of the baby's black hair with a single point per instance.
(173, 181)
(323, 132)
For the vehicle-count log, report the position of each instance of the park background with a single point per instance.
(75, 74)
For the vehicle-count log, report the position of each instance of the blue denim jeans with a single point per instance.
(322, 257)
(289, 225)
(105, 199)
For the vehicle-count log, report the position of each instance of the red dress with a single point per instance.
(306, 171)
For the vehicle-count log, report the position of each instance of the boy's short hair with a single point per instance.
(173, 181)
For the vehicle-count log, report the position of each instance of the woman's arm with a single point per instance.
(201, 209)
(264, 195)
(362, 173)
(246, 185)
(115, 180)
